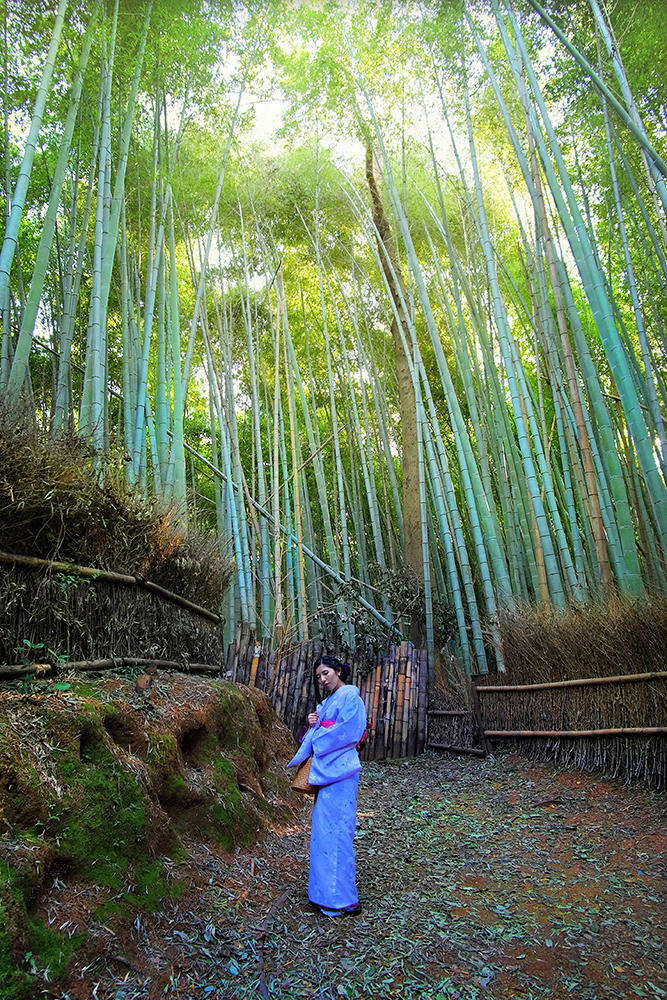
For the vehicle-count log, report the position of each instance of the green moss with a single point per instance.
(223, 774)
(50, 949)
(231, 822)
(176, 851)
(209, 748)
(103, 817)
(147, 894)
(18, 881)
(14, 983)
(69, 767)
(232, 731)
(222, 833)
(162, 747)
(176, 789)
(85, 689)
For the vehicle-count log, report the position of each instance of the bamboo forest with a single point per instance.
(372, 292)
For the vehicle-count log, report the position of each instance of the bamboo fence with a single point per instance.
(53, 610)
(392, 687)
(614, 724)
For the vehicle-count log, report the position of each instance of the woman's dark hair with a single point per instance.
(342, 669)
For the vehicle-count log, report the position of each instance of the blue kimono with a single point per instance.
(335, 769)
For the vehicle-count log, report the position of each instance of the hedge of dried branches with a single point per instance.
(44, 617)
(56, 502)
(593, 640)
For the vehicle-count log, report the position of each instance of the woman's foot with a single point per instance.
(348, 911)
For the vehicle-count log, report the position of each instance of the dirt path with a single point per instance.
(497, 878)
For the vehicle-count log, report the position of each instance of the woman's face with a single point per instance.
(328, 678)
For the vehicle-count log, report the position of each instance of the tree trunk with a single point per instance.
(413, 554)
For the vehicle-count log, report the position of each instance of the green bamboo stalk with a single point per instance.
(22, 349)
(594, 286)
(600, 85)
(10, 240)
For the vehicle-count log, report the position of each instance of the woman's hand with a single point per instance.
(313, 719)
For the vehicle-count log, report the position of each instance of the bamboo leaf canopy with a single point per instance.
(375, 294)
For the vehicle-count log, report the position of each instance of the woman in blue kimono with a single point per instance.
(334, 730)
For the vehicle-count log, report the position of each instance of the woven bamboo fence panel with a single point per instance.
(616, 724)
(393, 687)
(88, 619)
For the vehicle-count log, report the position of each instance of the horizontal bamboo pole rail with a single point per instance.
(33, 562)
(446, 746)
(519, 734)
(577, 682)
(446, 711)
(12, 673)
(110, 663)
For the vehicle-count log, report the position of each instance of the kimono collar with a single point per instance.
(327, 701)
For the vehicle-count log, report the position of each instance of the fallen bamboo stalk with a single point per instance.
(446, 746)
(577, 682)
(14, 672)
(519, 734)
(88, 572)
(110, 663)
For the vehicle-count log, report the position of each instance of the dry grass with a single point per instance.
(622, 636)
(57, 503)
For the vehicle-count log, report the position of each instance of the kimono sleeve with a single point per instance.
(345, 730)
(304, 750)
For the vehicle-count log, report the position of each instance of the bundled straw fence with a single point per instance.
(585, 686)
(614, 724)
(56, 611)
(393, 687)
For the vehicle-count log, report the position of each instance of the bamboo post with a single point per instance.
(381, 698)
(395, 714)
(236, 653)
(288, 678)
(297, 701)
(262, 672)
(272, 668)
(282, 676)
(377, 690)
(296, 667)
(411, 709)
(370, 694)
(477, 712)
(254, 665)
(398, 711)
(367, 703)
(307, 676)
(406, 707)
(423, 689)
(389, 704)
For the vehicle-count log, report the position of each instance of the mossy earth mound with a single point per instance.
(103, 784)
